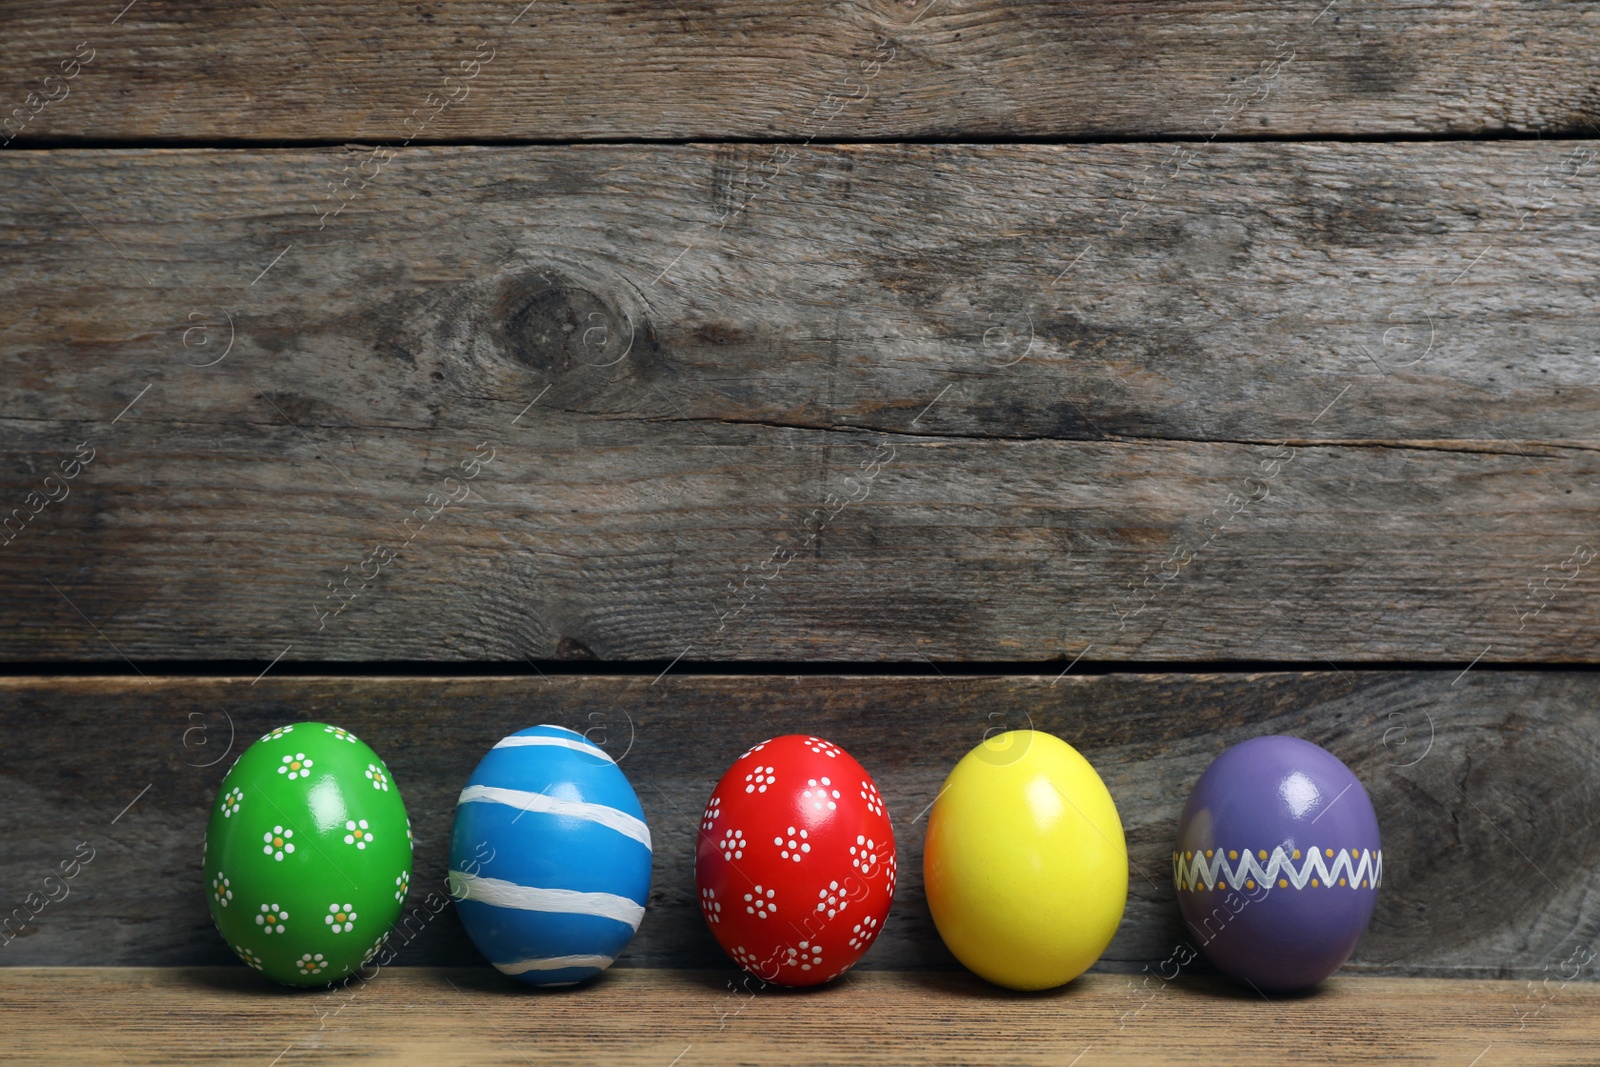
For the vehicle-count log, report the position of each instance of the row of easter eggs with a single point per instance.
(308, 859)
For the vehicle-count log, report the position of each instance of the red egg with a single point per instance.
(796, 865)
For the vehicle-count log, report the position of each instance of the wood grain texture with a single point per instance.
(879, 69)
(1484, 789)
(417, 1015)
(1283, 402)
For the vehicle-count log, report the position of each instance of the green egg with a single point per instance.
(307, 854)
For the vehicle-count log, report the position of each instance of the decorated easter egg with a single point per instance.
(307, 854)
(1278, 863)
(550, 857)
(796, 863)
(1025, 863)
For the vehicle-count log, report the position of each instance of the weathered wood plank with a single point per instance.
(882, 69)
(1285, 402)
(417, 1015)
(1484, 788)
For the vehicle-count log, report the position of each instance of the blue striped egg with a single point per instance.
(549, 857)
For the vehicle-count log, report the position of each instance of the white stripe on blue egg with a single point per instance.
(550, 857)
(577, 744)
(555, 901)
(620, 821)
(554, 963)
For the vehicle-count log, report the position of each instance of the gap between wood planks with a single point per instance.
(1462, 446)
(650, 668)
(47, 143)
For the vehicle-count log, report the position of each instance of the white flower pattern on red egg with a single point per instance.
(760, 902)
(862, 856)
(795, 846)
(733, 845)
(806, 956)
(832, 900)
(869, 793)
(759, 779)
(744, 957)
(713, 809)
(820, 794)
(710, 905)
(864, 932)
(823, 748)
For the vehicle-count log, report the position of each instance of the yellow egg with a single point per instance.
(1026, 866)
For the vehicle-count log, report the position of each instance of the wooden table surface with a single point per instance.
(1160, 374)
(668, 1018)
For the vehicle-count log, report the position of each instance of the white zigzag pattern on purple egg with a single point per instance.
(1203, 872)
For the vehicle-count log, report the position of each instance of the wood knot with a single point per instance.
(560, 328)
(572, 648)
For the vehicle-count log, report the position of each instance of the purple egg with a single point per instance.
(1278, 863)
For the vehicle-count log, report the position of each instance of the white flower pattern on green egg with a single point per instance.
(402, 884)
(272, 919)
(377, 777)
(343, 735)
(231, 801)
(356, 833)
(277, 733)
(249, 957)
(296, 766)
(221, 888)
(340, 917)
(278, 843)
(311, 964)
